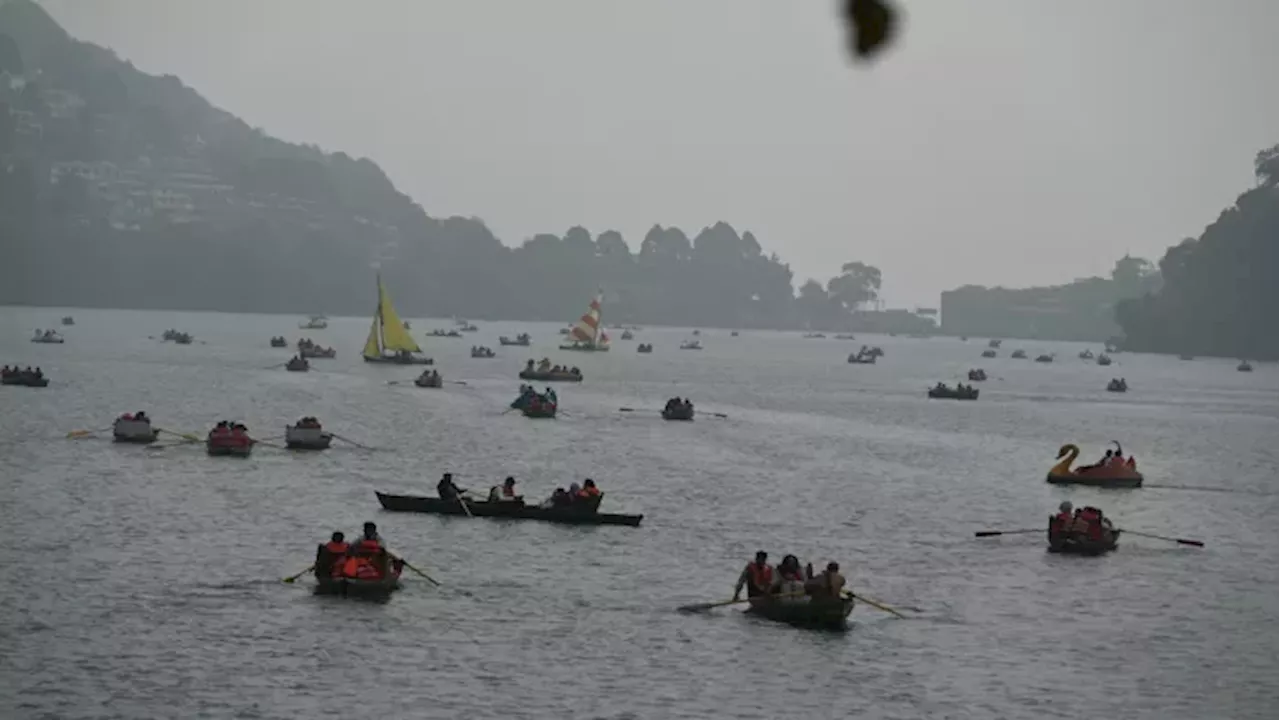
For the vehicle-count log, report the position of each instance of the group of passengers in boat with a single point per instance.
(139, 416)
(430, 376)
(308, 423)
(365, 559)
(789, 582)
(1112, 459)
(1086, 523)
(26, 372)
(481, 351)
(546, 367)
(230, 432)
(44, 335)
(675, 404)
(960, 388)
(585, 495)
(532, 399)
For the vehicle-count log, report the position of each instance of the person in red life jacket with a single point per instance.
(757, 576)
(589, 490)
(329, 556)
(367, 558)
(1091, 518)
(1061, 523)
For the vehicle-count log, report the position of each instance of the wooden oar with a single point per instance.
(82, 433)
(463, 502)
(698, 607)
(993, 533)
(428, 577)
(1180, 541)
(268, 444)
(353, 442)
(875, 604)
(273, 367)
(185, 436)
(291, 578)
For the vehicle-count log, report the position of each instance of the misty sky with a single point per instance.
(1008, 142)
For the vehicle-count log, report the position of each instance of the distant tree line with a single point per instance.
(1218, 295)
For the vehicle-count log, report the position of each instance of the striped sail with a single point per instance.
(588, 330)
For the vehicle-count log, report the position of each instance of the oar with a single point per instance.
(428, 577)
(698, 607)
(1180, 541)
(457, 382)
(463, 502)
(719, 415)
(353, 442)
(82, 433)
(993, 533)
(875, 604)
(291, 578)
(268, 444)
(185, 436)
(273, 367)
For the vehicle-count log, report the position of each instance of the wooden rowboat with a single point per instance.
(379, 589)
(1075, 545)
(513, 510)
(810, 612)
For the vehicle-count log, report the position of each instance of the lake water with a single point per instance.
(145, 583)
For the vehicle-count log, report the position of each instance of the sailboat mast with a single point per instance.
(377, 317)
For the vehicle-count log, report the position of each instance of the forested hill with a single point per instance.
(1218, 295)
(123, 189)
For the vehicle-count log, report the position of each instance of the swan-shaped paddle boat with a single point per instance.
(1121, 474)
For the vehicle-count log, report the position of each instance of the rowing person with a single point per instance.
(757, 576)
(367, 558)
(1061, 523)
(828, 585)
(446, 489)
(330, 555)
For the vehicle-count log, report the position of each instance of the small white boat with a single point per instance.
(307, 435)
(47, 336)
(315, 322)
(131, 429)
(690, 345)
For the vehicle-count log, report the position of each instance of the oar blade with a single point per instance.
(1193, 543)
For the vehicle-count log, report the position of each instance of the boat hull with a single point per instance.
(825, 614)
(352, 588)
(681, 414)
(549, 376)
(542, 413)
(433, 383)
(1075, 545)
(935, 394)
(398, 360)
(1103, 481)
(509, 341)
(324, 354)
(217, 449)
(866, 360)
(132, 431)
(297, 368)
(585, 348)
(508, 510)
(24, 381)
(296, 438)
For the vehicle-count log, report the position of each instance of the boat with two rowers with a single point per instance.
(134, 428)
(307, 434)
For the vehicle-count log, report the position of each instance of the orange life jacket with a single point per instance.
(761, 576)
(127, 416)
(368, 547)
(337, 548)
(590, 492)
(1062, 522)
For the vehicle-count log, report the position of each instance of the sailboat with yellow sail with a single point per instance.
(588, 335)
(389, 341)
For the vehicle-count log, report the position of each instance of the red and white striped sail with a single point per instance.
(588, 329)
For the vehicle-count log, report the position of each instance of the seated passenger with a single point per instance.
(509, 490)
(828, 585)
(589, 491)
(329, 556)
(1062, 521)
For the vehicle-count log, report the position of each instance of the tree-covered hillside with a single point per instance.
(118, 188)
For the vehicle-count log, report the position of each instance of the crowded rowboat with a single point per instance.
(546, 372)
(1084, 532)
(175, 336)
(134, 428)
(794, 595)
(1118, 385)
(977, 375)
(429, 379)
(363, 569)
(644, 348)
(521, 340)
(677, 409)
(533, 404)
(26, 377)
(309, 350)
(50, 337)
(307, 434)
(229, 438)
(576, 505)
(297, 363)
(959, 392)
(279, 341)
(480, 351)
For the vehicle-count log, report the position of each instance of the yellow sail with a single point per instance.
(394, 336)
(371, 349)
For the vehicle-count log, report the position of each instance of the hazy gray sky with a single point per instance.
(1008, 142)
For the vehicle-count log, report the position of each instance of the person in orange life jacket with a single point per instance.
(329, 556)
(1061, 522)
(757, 576)
(367, 558)
(589, 490)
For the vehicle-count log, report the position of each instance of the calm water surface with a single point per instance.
(143, 583)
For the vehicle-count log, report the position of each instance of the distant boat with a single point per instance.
(588, 335)
(68, 320)
(388, 341)
(315, 322)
